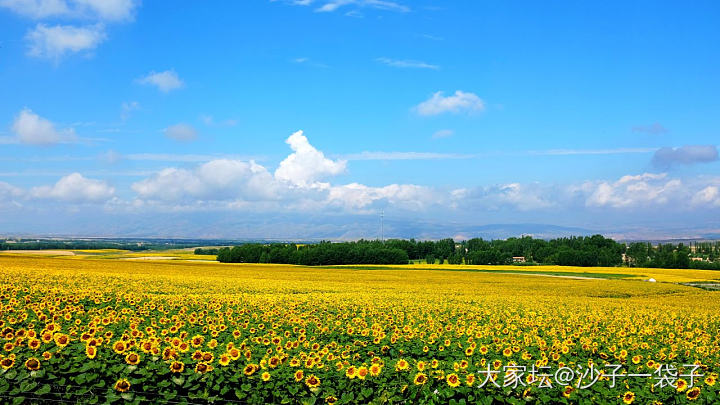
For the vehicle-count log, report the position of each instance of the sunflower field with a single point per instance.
(87, 330)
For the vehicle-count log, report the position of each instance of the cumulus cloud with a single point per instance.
(9, 192)
(647, 189)
(181, 132)
(460, 102)
(513, 196)
(54, 42)
(110, 10)
(685, 155)
(306, 164)
(165, 81)
(407, 63)
(222, 179)
(295, 185)
(355, 196)
(708, 196)
(76, 189)
(32, 129)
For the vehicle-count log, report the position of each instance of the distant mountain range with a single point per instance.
(237, 227)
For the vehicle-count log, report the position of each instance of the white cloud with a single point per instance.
(33, 129)
(512, 196)
(306, 164)
(114, 10)
(294, 186)
(76, 189)
(181, 132)
(36, 8)
(685, 155)
(54, 42)
(460, 102)
(709, 196)
(333, 5)
(9, 192)
(647, 189)
(407, 63)
(356, 196)
(222, 179)
(165, 81)
(110, 10)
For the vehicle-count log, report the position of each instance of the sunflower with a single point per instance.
(567, 391)
(265, 376)
(693, 393)
(61, 339)
(420, 379)
(197, 356)
(197, 341)
(177, 367)
(681, 385)
(122, 385)
(507, 352)
(402, 365)
(628, 397)
(90, 352)
(250, 369)
(47, 355)
(312, 381)
(132, 359)
(32, 364)
(470, 380)
(351, 372)
(299, 375)
(208, 357)
(330, 399)
(119, 347)
(453, 380)
(7, 363)
(224, 360)
(34, 344)
(203, 368)
(375, 370)
(710, 380)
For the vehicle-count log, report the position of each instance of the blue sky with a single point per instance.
(597, 115)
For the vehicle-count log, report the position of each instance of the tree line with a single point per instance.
(585, 251)
(320, 254)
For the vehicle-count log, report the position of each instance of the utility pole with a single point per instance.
(382, 226)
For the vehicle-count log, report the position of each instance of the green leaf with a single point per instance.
(45, 389)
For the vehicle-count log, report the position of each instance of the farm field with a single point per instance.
(101, 328)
